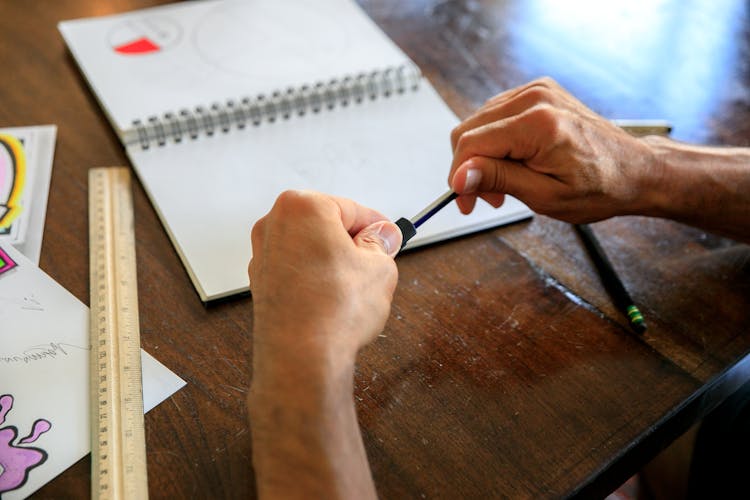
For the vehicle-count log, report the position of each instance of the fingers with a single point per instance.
(526, 103)
(484, 174)
(321, 275)
(545, 87)
(349, 214)
(323, 213)
(492, 178)
(352, 216)
(543, 82)
(540, 144)
(521, 137)
(355, 217)
(516, 102)
(466, 203)
(384, 237)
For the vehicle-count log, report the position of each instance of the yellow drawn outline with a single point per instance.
(15, 148)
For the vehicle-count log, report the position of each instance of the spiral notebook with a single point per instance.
(222, 105)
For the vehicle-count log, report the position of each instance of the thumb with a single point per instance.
(482, 174)
(382, 236)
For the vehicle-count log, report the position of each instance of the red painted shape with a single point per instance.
(140, 46)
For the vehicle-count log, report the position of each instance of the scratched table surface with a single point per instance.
(504, 370)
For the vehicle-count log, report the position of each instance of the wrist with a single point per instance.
(703, 186)
(303, 419)
(300, 370)
(655, 180)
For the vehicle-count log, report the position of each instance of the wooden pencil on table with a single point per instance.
(610, 279)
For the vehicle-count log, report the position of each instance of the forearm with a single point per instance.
(305, 434)
(707, 187)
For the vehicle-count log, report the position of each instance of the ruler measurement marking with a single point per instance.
(118, 437)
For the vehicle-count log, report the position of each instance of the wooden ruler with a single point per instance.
(118, 445)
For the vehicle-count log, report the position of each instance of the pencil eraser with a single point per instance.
(407, 230)
(636, 319)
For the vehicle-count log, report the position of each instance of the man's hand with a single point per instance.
(541, 145)
(322, 278)
(322, 274)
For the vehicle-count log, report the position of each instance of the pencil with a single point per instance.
(609, 278)
(640, 128)
(409, 226)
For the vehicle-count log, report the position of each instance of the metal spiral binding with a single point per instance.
(279, 105)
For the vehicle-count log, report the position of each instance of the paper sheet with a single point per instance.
(391, 153)
(38, 150)
(182, 55)
(44, 378)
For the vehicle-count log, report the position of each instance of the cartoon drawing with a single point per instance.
(12, 178)
(6, 263)
(16, 461)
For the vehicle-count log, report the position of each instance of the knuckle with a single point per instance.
(547, 81)
(456, 134)
(292, 203)
(465, 141)
(256, 232)
(546, 119)
(493, 175)
(371, 239)
(538, 95)
(290, 197)
(495, 99)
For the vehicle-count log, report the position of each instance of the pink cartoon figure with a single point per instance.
(17, 461)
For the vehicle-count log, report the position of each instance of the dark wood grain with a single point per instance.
(504, 370)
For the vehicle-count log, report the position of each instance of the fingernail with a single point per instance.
(473, 178)
(391, 236)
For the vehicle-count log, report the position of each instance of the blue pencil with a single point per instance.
(409, 226)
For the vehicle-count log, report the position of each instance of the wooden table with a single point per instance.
(504, 370)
